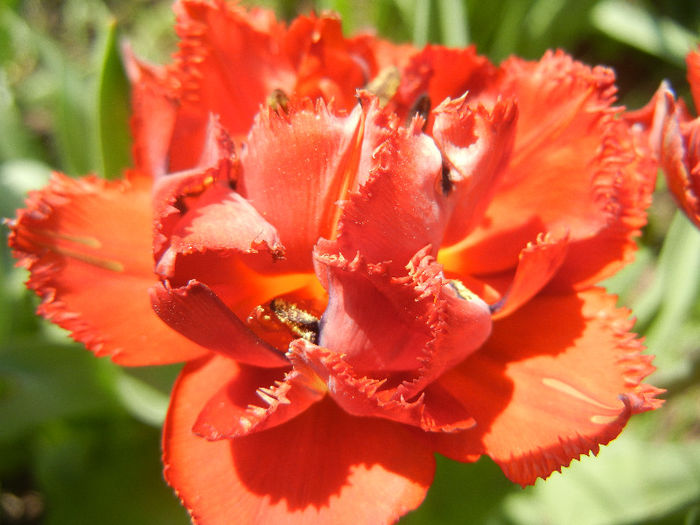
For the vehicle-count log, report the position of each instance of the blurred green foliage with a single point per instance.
(79, 436)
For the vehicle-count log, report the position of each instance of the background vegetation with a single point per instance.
(79, 437)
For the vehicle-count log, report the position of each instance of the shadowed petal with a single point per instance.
(433, 411)
(537, 264)
(475, 145)
(198, 314)
(87, 245)
(680, 160)
(255, 399)
(558, 378)
(312, 469)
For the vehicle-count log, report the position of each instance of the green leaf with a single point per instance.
(637, 27)
(41, 383)
(454, 24)
(113, 108)
(104, 471)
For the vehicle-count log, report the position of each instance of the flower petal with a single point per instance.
(475, 144)
(400, 209)
(537, 264)
(314, 468)
(194, 309)
(256, 399)
(433, 411)
(295, 168)
(418, 321)
(558, 378)
(87, 245)
(680, 160)
(440, 72)
(153, 114)
(693, 62)
(228, 63)
(566, 125)
(328, 66)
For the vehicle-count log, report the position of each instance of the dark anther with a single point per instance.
(278, 100)
(299, 322)
(446, 183)
(420, 107)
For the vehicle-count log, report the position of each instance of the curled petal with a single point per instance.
(680, 160)
(328, 65)
(433, 411)
(194, 309)
(693, 62)
(557, 378)
(566, 125)
(295, 168)
(417, 322)
(314, 468)
(256, 399)
(222, 222)
(538, 263)
(475, 145)
(440, 73)
(154, 111)
(87, 246)
(400, 208)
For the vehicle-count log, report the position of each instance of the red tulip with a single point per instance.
(357, 281)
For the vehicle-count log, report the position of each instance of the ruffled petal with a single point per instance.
(558, 378)
(440, 72)
(575, 168)
(295, 168)
(538, 263)
(228, 63)
(314, 468)
(401, 208)
(87, 245)
(433, 411)
(693, 62)
(328, 65)
(194, 309)
(680, 160)
(418, 321)
(153, 114)
(475, 144)
(256, 399)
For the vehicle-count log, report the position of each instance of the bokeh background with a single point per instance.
(79, 437)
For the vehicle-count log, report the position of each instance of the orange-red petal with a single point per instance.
(153, 113)
(255, 399)
(680, 160)
(575, 169)
(198, 314)
(558, 378)
(87, 245)
(295, 167)
(475, 144)
(693, 62)
(323, 466)
(538, 263)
